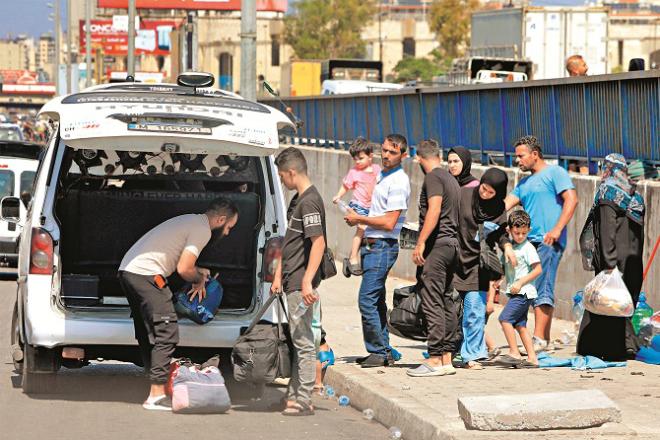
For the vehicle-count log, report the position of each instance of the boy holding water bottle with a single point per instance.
(361, 180)
(298, 276)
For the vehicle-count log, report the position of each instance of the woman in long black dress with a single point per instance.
(618, 227)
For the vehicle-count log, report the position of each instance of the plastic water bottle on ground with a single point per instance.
(578, 309)
(329, 392)
(344, 400)
(396, 355)
(300, 310)
(642, 311)
(395, 433)
(368, 414)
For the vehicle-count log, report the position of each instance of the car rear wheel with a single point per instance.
(34, 381)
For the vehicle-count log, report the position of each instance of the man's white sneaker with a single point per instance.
(159, 403)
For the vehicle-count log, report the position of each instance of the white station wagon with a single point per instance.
(124, 158)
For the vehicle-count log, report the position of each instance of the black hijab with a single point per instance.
(466, 157)
(489, 210)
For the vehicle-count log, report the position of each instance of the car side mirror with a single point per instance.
(26, 198)
(10, 209)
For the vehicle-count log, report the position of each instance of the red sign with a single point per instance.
(216, 5)
(152, 38)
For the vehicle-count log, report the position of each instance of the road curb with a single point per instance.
(391, 406)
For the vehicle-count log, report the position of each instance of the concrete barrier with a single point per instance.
(327, 167)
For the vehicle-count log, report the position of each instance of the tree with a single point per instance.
(322, 29)
(450, 20)
(416, 69)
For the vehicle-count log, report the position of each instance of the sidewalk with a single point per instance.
(426, 408)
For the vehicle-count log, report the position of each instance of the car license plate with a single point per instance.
(168, 128)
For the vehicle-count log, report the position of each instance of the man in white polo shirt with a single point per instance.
(380, 248)
(171, 246)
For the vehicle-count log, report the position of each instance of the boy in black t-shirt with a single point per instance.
(298, 275)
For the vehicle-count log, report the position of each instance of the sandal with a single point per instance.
(354, 269)
(346, 268)
(526, 364)
(298, 410)
(473, 365)
(509, 361)
(281, 404)
(494, 353)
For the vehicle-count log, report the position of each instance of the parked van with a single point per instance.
(125, 158)
(18, 166)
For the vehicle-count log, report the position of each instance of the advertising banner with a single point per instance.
(214, 5)
(152, 37)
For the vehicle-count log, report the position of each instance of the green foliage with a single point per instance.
(322, 29)
(450, 20)
(416, 69)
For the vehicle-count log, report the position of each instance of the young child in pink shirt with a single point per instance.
(361, 179)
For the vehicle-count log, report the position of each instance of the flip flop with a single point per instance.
(299, 410)
(526, 364)
(508, 360)
(472, 365)
(494, 353)
(346, 268)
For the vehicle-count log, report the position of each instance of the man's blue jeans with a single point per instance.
(377, 260)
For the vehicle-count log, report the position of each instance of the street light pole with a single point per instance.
(249, 49)
(131, 38)
(88, 42)
(68, 46)
(56, 61)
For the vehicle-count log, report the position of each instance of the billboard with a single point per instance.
(152, 37)
(216, 5)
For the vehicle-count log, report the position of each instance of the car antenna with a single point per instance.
(296, 120)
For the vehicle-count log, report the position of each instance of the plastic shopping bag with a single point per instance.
(607, 295)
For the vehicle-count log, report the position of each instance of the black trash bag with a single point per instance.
(406, 319)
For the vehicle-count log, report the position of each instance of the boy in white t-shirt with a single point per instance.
(521, 292)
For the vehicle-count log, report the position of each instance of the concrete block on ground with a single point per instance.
(531, 412)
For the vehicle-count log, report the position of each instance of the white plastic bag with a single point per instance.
(608, 295)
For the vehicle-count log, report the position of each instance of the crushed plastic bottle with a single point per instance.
(344, 400)
(368, 414)
(329, 392)
(395, 433)
(426, 354)
(642, 311)
(396, 354)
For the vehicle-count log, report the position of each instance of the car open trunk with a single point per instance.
(100, 221)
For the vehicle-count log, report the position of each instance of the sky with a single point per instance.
(31, 16)
(27, 17)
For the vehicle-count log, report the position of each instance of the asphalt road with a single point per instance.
(102, 401)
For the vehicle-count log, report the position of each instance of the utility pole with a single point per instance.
(88, 42)
(68, 47)
(249, 50)
(56, 61)
(131, 38)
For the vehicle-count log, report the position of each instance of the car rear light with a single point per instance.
(41, 252)
(272, 257)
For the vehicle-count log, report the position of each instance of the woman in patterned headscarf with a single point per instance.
(618, 229)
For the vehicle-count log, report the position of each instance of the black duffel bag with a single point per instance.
(263, 352)
(406, 319)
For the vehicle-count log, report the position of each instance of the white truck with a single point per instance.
(544, 35)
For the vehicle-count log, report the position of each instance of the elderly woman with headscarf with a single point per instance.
(481, 217)
(459, 163)
(618, 230)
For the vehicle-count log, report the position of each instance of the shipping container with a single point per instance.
(544, 35)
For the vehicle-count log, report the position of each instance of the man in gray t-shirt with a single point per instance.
(171, 246)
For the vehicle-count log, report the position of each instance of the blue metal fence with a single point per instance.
(574, 118)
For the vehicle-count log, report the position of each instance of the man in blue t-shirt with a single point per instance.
(548, 195)
(380, 248)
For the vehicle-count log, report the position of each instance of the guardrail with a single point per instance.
(574, 118)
